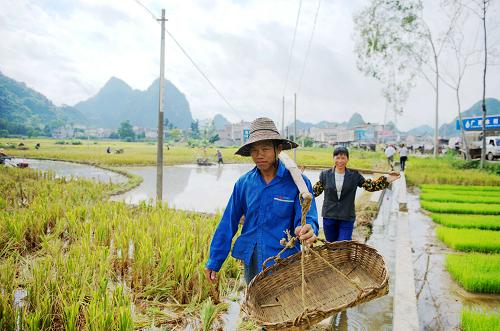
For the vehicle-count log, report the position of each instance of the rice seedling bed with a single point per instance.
(461, 208)
(472, 197)
(475, 272)
(489, 194)
(460, 188)
(470, 239)
(480, 320)
(485, 222)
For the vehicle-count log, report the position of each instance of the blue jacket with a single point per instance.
(269, 210)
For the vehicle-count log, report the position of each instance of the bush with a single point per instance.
(76, 142)
(60, 142)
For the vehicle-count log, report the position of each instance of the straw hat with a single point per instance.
(263, 128)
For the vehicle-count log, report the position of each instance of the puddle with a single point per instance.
(69, 170)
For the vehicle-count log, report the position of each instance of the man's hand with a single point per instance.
(306, 234)
(211, 275)
(392, 176)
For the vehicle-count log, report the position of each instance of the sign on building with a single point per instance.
(476, 123)
(246, 135)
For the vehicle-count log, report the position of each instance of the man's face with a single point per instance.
(263, 154)
(340, 160)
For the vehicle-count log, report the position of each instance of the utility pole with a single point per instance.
(295, 125)
(283, 118)
(159, 153)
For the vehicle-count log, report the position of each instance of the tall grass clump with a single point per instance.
(475, 272)
(470, 239)
(480, 320)
(461, 208)
(484, 222)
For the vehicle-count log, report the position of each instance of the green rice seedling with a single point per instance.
(480, 320)
(489, 194)
(451, 197)
(461, 188)
(485, 222)
(470, 239)
(461, 208)
(209, 312)
(475, 272)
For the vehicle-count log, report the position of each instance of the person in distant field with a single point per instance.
(108, 150)
(219, 157)
(340, 184)
(389, 153)
(3, 156)
(37, 146)
(269, 199)
(403, 156)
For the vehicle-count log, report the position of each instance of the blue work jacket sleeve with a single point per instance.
(228, 225)
(312, 215)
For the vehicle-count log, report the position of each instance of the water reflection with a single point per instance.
(193, 187)
(69, 169)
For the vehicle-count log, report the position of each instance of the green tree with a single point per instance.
(195, 130)
(125, 131)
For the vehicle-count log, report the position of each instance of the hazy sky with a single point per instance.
(68, 49)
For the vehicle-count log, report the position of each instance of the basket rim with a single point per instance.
(309, 314)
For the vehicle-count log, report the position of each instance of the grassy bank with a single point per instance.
(87, 263)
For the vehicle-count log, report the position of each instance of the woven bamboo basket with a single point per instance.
(305, 288)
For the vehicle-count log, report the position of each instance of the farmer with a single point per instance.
(339, 184)
(389, 153)
(219, 157)
(269, 199)
(403, 157)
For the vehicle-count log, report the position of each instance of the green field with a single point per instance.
(488, 194)
(461, 208)
(470, 239)
(88, 263)
(475, 272)
(427, 170)
(458, 188)
(444, 196)
(144, 153)
(485, 222)
(480, 320)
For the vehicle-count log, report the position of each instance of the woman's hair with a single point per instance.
(341, 150)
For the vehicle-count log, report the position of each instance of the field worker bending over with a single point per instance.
(340, 184)
(269, 199)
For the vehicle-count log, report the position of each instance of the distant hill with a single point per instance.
(492, 108)
(220, 122)
(23, 110)
(355, 120)
(423, 130)
(116, 102)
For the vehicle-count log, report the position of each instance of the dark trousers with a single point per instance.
(402, 162)
(337, 230)
(251, 270)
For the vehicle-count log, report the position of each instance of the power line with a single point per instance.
(309, 47)
(192, 61)
(291, 48)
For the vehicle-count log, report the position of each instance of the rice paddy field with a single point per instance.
(70, 259)
(144, 153)
(469, 218)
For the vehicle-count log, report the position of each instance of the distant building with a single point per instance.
(235, 134)
(63, 132)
